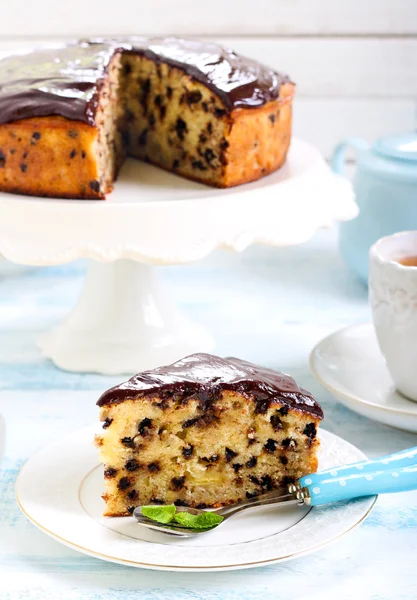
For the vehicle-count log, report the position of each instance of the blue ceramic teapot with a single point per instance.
(386, 192)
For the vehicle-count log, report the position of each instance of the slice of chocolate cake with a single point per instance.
(204, 432)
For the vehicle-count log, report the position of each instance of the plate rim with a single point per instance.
(176, 568)
(337, 391)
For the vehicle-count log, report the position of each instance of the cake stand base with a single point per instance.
(124, 322)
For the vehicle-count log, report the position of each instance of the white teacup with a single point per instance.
(393, 297)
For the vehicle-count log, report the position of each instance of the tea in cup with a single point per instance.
(393, 298)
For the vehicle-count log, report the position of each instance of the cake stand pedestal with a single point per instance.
(124, 321)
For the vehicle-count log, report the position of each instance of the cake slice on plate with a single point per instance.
(204, 432)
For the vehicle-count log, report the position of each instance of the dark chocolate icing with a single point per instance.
(205, 377)
(64, 79)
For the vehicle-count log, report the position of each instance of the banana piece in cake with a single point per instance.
(69, 114)
(204, 432)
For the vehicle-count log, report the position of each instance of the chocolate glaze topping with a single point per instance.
(64, 79)
(205, 377)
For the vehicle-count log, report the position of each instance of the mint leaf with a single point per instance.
(161, 514)
(207, 520)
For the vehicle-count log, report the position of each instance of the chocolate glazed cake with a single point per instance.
(69, 114)
(204, 432)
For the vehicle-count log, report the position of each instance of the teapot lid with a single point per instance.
(402, 146)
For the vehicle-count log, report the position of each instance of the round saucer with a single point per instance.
(350, 365)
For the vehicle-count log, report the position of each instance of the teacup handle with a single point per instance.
(338, 157)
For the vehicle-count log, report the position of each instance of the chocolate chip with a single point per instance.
(146, 86)
(110, 472)
(158, 100)
(270, 446)
(209, 155)
(202, 505)
(219, 112)
(254, 480)
(157, 501)
(177, 483)
(210, 127)
(287, 480)
(73, 153)
(194, 97)
(94, 185)
(125, 138)
(252, 462)
(187, 451)
(175, 164)
(229, 454)
(2, 160)
(283, 410)
(276, 422)
(310, 431)
(128, 442)
(203, 138)
(142, 137)
(266, 482)
(107, 422)
(224, 144)
(132, 495)
(124, 483)
(169, 91)
(271, 117)
(162, 111)
(250, 495)
(154, 467)
(198, 164)
(180, 503)
(72, 133)
(190, 422)
(127, 69)
(82, 154)
(211, 459)
(130, 116)
(289, 443)
(130, 509)
(205, 106)
(132, 465)
(181, 128)
(23, 167)
(144, 426)
(36, 135)
(236, 467)
(284, 460)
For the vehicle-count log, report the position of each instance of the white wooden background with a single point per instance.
(354, 61)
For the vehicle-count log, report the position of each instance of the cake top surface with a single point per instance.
(207, 376)
(64, 79)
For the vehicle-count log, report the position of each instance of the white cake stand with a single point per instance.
(124, 322)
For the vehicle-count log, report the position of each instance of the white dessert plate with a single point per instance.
(59, 490)
(350, 365)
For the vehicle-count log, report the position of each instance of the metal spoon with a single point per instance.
(393, 473)
(278, 496)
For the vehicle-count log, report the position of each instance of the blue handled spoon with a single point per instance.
(392, 473)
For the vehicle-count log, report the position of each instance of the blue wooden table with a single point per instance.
(266, 305)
